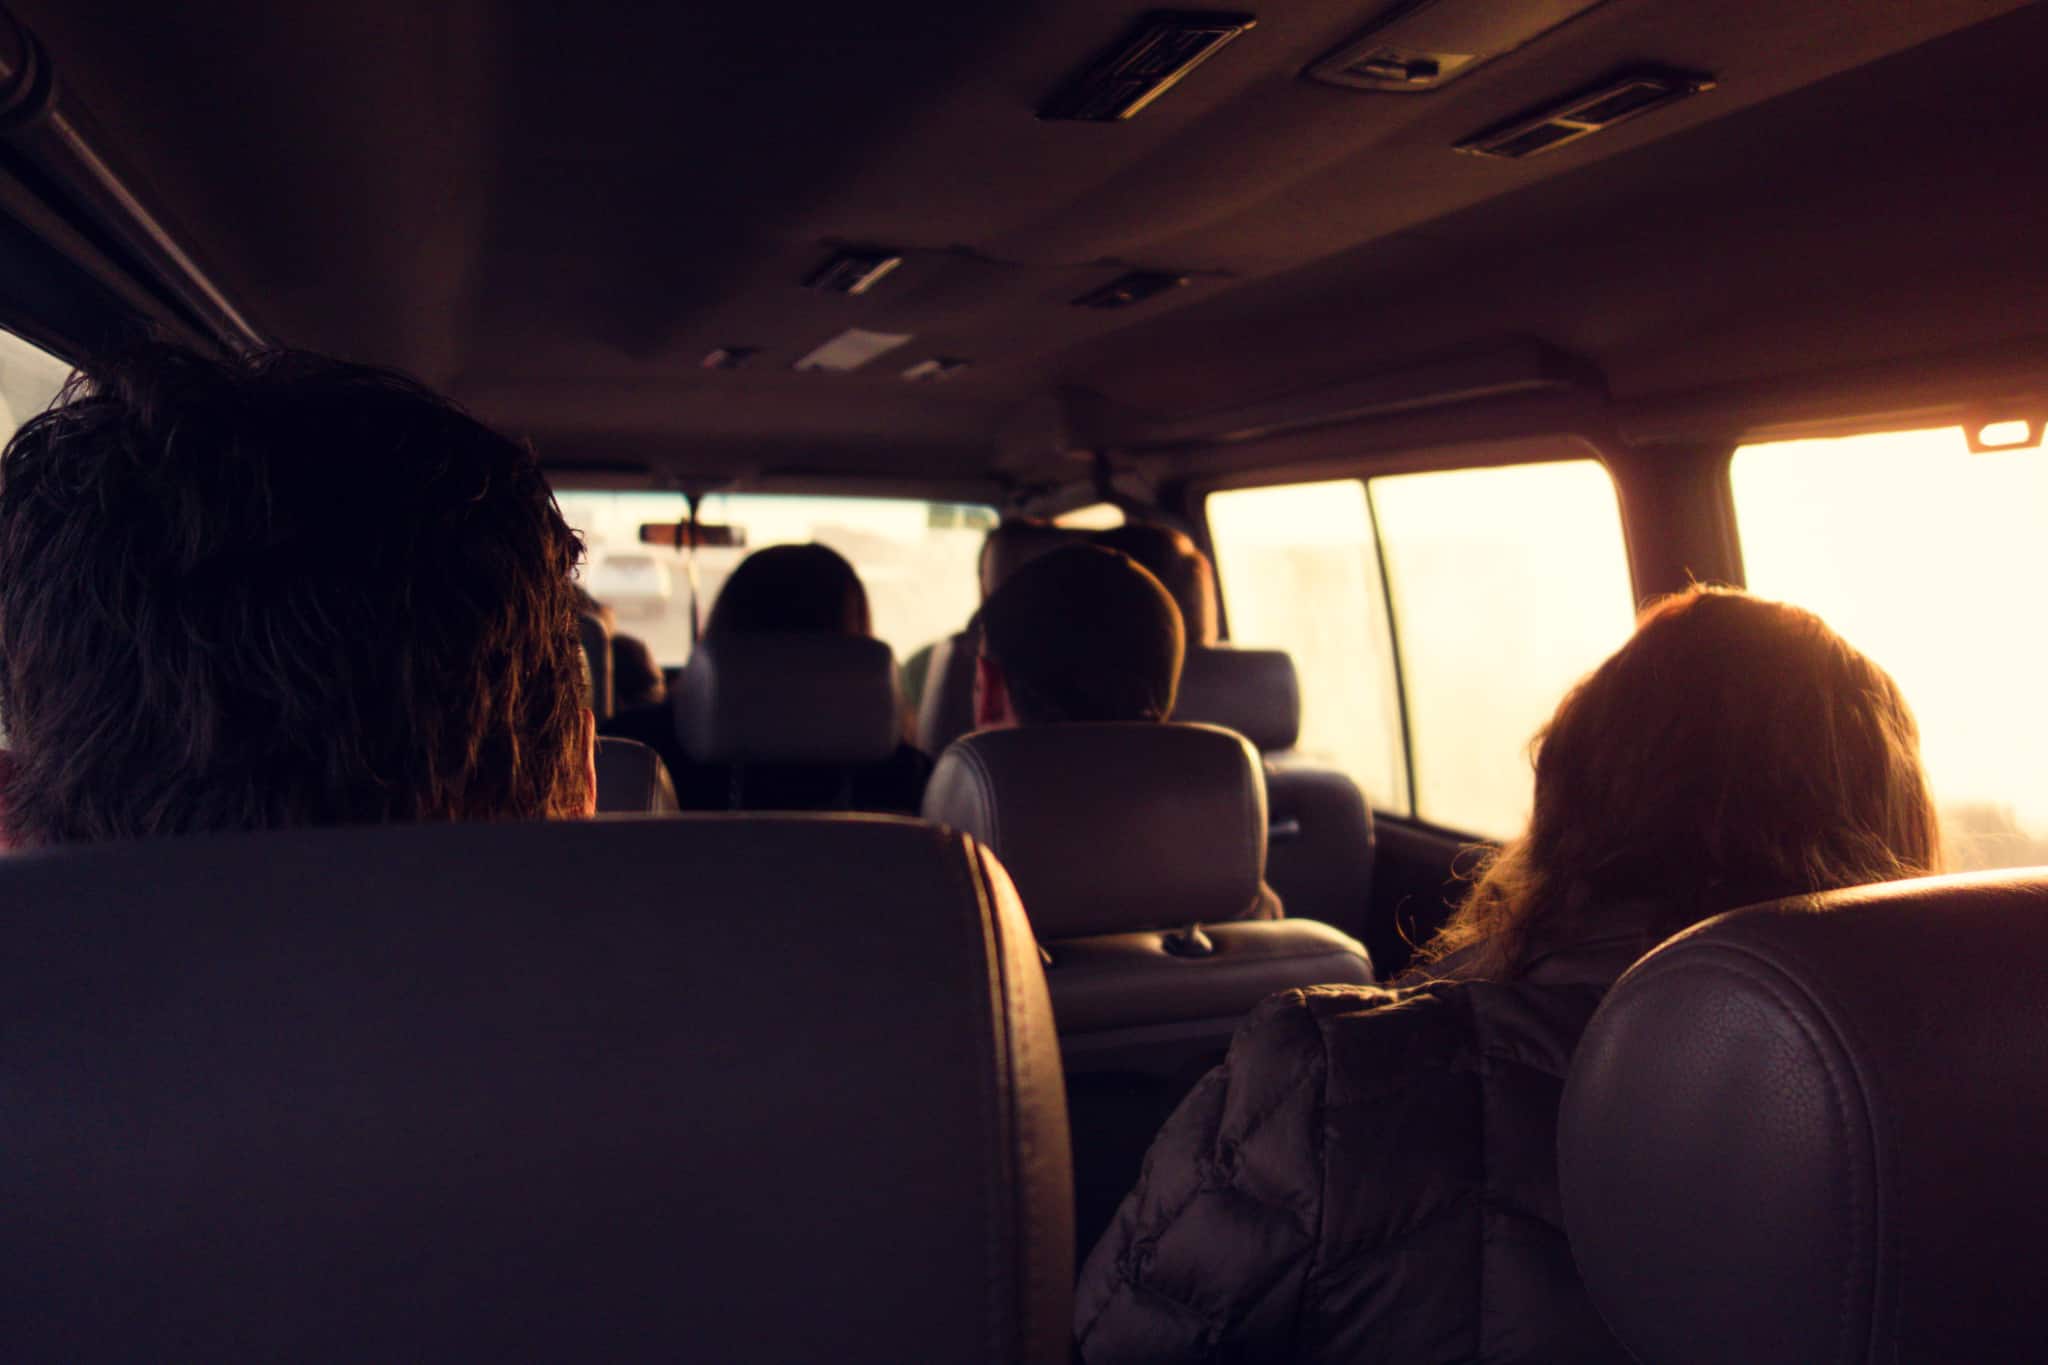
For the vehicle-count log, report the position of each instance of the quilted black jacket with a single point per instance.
(1369, 1176)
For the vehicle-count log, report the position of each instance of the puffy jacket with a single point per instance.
(1369, 1176)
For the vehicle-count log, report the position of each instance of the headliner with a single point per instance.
(555, 212)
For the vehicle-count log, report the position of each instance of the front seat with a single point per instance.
(631, 779)
(1320, 849)
(796, 720)
(1812, 1131)
(411, 1093)
(1139, 850)
(596, 641)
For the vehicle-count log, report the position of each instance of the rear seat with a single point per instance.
(1139, 850)
(1320, 850)
(413, 1093)
(1812, 1131)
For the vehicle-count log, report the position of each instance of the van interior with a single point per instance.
(1451, 333)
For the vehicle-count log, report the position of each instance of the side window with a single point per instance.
(1509, 585)
(29, 379)
(1923, 556)
(1436, 619)
(1300, 572)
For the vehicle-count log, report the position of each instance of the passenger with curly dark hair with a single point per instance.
(279, 591)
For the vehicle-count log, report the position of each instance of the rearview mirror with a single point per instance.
(705, 535)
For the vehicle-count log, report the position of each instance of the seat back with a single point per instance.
(597, 661)
(793, 697)
(631, 779)
(1811, 1131)
(788, 1091)
(1139, 851)
(946, 710)
(1320, 847)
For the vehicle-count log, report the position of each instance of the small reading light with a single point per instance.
(2017, 433)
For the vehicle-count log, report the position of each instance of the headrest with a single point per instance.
(631, 780)
(416, 1092)
(597, 661)
(1174, 559)
(1013, 544)
(1252, 691)
(1812, 1131)
(789, 698)
(946, 711)
(1110, 828)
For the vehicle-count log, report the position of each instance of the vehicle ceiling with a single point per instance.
(557, 211)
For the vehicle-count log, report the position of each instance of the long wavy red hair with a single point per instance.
(1735, 750)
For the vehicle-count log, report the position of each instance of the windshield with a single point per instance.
(917, 559)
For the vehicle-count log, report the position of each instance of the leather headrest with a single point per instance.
(789, 698)
(1252, 691)
(480, 1091)
(596, 641)
(631, 780)
(1111, 828)
(1812, 1131)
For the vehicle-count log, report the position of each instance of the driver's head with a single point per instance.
(1080, 634)
(280, 591)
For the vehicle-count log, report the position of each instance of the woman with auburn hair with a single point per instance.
(1370, 1175)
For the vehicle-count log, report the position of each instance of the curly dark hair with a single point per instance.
(278, 591)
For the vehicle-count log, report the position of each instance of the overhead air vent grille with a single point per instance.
(1591, 111)
(853, 271)
(1163, 49)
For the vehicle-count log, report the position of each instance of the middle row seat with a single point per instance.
(1139, 851)
(1320, 843)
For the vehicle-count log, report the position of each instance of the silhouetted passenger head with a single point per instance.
(274, 592)
(1012, 545)
(791, 587)
(636, 679)
(1735, 750)
(1182, 569)
(1081, 634)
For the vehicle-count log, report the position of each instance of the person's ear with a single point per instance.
(992, 709)
(589, 763)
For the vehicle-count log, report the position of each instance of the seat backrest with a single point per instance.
(597, 660)
(1319, 855)
(410, 1093)
(1122, 838)
(796, 697)
(1812, 1131)
(631, 779)
(1112, 828)
(1255, 692)
(946, 711)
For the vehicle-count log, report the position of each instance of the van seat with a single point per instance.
(788, 1090)
(1139, 850)
(1811, 1131)
(1320, 850)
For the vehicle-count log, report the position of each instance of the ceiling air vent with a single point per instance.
(853, 271)
(1591, 111)
(1152, 60)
